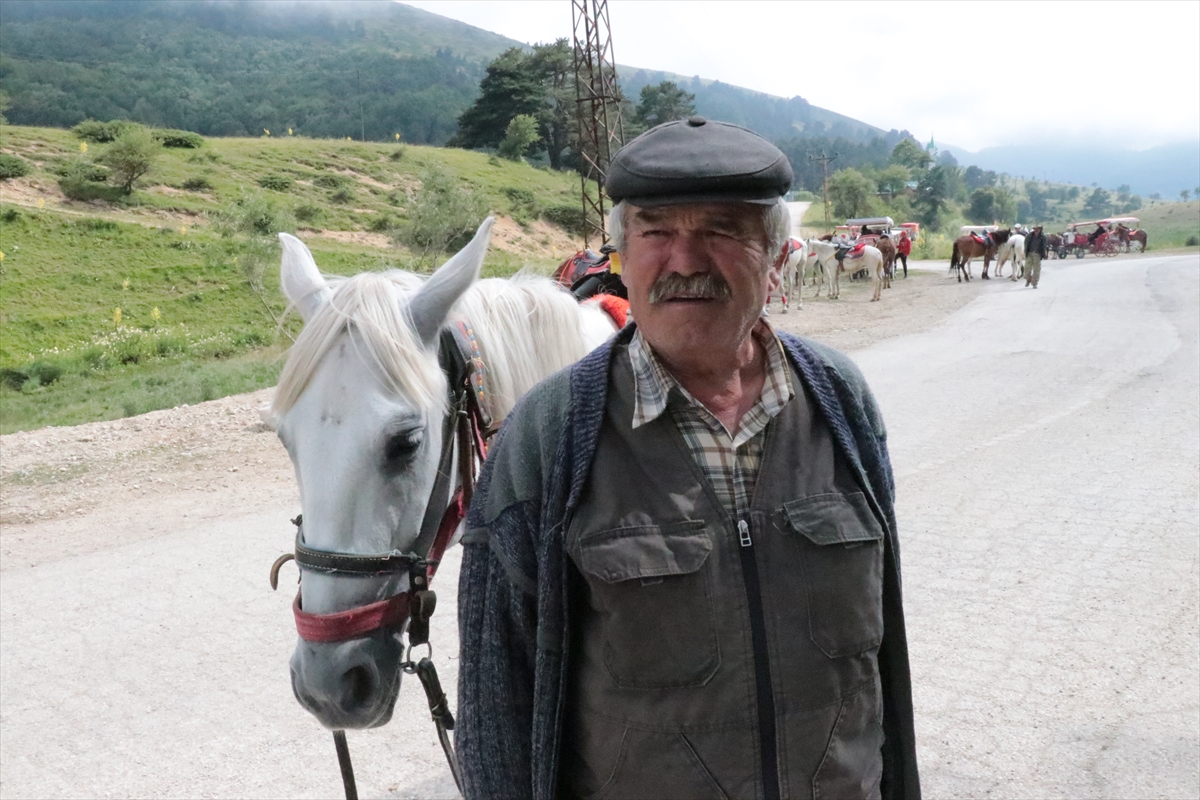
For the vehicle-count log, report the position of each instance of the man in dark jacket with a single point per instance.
(1035, 251)
(682, 573)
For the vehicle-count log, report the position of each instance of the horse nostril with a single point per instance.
(359, 685)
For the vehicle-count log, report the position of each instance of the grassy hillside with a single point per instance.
(190, 326)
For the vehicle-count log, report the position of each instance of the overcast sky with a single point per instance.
(972, 74)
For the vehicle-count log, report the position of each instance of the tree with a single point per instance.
(909, 154)
(1123, 192)
(976, 177)
(892, 180)
(662, 103)
(441, 216)
(130, 156)
(1038, 197)
(511, 87)
(1098, 204)
(1184, 195)
(990, 204)
(520, 134)
(932, 196)
(554, 65)
(851, 194)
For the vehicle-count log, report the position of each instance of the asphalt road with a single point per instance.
(1047, 452)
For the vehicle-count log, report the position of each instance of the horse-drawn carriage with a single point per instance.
(1078, 240)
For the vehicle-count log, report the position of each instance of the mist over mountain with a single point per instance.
(1165, 170)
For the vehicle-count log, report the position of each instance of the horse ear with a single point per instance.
(299, 277)
(431, 305)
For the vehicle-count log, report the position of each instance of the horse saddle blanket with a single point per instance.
(853, 253)
(984, 240)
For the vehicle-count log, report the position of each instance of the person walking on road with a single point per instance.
(903, 248)
(681, 572)
(1035, 251)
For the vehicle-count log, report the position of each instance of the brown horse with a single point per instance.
(968, 247)
(887, 249)
(1127, 235)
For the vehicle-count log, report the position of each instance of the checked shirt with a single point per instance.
(729, 461)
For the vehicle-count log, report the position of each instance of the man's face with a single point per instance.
(697, 275)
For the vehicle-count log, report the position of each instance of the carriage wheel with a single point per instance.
(1080, 252)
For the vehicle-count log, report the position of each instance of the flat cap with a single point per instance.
(698, 161)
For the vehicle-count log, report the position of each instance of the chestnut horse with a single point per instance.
(887, 249)
(1127, 235)
(968, 247)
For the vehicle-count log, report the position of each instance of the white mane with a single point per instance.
(527, 327)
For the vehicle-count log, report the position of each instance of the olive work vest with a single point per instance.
(712, 658)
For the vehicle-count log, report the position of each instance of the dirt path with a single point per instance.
(136, 478)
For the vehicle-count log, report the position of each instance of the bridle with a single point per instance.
(466, 430)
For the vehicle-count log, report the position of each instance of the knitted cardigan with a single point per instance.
(513, 595)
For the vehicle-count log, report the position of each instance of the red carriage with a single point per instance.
(1101, 241)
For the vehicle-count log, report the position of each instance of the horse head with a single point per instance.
(362, 408)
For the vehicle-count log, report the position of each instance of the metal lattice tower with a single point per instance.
(597, 107)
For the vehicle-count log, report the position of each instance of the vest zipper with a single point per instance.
(762, 667)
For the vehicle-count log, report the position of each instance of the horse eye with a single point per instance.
(400, 446)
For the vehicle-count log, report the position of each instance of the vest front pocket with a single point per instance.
(841, 550)
(653, 594)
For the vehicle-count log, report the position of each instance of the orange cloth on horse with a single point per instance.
(616, 307)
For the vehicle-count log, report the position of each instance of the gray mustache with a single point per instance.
(701, 286)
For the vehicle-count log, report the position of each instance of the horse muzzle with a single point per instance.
(348, 684)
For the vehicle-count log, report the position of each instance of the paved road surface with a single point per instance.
(1046, 449)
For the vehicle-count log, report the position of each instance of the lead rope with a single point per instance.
(343, 753)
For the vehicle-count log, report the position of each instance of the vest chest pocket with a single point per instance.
(652, 591)
(841, 550)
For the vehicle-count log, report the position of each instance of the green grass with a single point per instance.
(68, 266)
(129, 390)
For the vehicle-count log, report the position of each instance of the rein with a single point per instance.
(467, 428)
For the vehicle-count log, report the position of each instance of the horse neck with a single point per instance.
(526, 329)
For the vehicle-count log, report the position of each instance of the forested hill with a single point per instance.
(354, 68)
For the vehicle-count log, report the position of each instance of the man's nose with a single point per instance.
(689, 255)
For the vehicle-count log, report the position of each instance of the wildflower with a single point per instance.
(397, 137)
(183, 229)
(125, 284)
(266, 132)
(154, 314)
(41, 202)
(117, 316)
(83, 147)
(289, 131)
(1, 256)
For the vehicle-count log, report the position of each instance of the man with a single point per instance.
(681, 575)
(1035, 251)
(903, 248)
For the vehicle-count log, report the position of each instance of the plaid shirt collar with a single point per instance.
(653, 386)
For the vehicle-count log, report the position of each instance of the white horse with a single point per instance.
(363, 409)
(791, 280)
(823, 257)
(1014, 248)
(872, 262)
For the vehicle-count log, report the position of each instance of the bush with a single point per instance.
(197, 185)
(330, 181)
(383, 223)
(12, 167)
(1192, 241)
(519, 136)
(44, 372)
(130, 156)
(93, 224)
(254, 215)
(76, 186)
(183, 139)
(569, 218)
(276, 183)
(9, 215)
(442, 216)
(342, 196)
(13, 378)
(81, 169)
(307, 212)
(397, 154)
(94, 131)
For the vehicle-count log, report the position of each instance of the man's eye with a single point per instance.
(401, 446)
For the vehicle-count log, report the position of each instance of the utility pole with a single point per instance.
(597, 108)
(824, 159)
